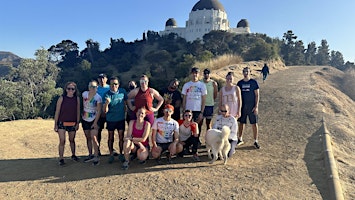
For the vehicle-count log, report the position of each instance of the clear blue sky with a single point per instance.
(29, 25)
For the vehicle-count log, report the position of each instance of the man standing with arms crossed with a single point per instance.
(250, 102)
(194, 97)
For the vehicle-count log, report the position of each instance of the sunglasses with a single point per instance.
(189, 115)
(93, 86)
(143, 81)
(168, 110)
(222, 110)
(69, 88)
(112, 84)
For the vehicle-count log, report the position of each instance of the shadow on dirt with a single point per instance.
(47, 169)
(314, 159)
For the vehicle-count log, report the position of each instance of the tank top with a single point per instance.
(138, 133)
(68, 110)
(143, 99)
(209, 96)
(230, 98)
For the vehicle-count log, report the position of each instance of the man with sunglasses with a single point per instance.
(225, 119)
(250, 102)
(114, 107)
(212, 90)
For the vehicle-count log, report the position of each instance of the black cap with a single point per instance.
(195, 69)
(206, 71)
(102, 76)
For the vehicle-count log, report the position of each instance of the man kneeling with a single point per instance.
(165, 135)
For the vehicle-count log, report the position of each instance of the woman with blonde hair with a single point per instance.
(136, 140)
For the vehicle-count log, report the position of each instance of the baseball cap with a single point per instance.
(206, 71)
(102, 76)
(195, 69)
(169, 106)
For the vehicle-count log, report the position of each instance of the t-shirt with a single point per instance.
(165, 130)
(116, 108)
(229, 121)
(90, 105)
(186, 132)
(194, 92)
(102, 91)
(247, 89)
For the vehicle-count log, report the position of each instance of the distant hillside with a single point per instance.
(8, 59)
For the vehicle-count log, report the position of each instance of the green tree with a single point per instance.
(310, 54)
(323, 57)
(337, 60)
(36, 79)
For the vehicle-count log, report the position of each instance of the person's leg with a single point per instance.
(142, 152)
(61, 145)
(88, 141)
(95, 142)
(72, 141)
(120, 142)
(110, 141)
(127, 148)
(233, 144)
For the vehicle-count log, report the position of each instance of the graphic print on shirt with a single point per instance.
(245, 88)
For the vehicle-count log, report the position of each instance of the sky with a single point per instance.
(27, 26)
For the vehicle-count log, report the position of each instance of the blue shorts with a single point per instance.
(208, 112)
(119, 125)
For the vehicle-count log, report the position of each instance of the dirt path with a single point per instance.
(288, 165)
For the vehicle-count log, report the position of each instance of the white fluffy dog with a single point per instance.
(217, 141)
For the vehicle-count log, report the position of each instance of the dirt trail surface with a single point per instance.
(289, 164)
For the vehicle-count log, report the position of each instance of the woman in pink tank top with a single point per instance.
(136, 140)
(230, 95)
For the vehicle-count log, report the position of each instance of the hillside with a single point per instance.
(8, 59)
(289, 164)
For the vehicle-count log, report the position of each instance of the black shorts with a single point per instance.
(247, 111)
(195, 115)
(119, 125)
(208, 112)
(86, 125)
(66, 128)
(164, 146)
(101, 123)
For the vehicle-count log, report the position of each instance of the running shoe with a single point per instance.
(90, 158)
(61, 162)
(96, 161)
(256, 145)
(125, 165)
(121, 158)
(240, 142)
(196, 158)
(75, 158)
(111, 159)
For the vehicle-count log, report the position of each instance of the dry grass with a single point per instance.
(220, 62)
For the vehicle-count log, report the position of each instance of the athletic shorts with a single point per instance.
(208, 112)
(164, 146)
(101, 123)
(247, 112)
(86, 125)
(195, 115)
(66, 128)
(119, 125)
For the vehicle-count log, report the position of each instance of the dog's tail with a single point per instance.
(226, 132)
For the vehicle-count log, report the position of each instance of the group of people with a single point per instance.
(177, 129)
